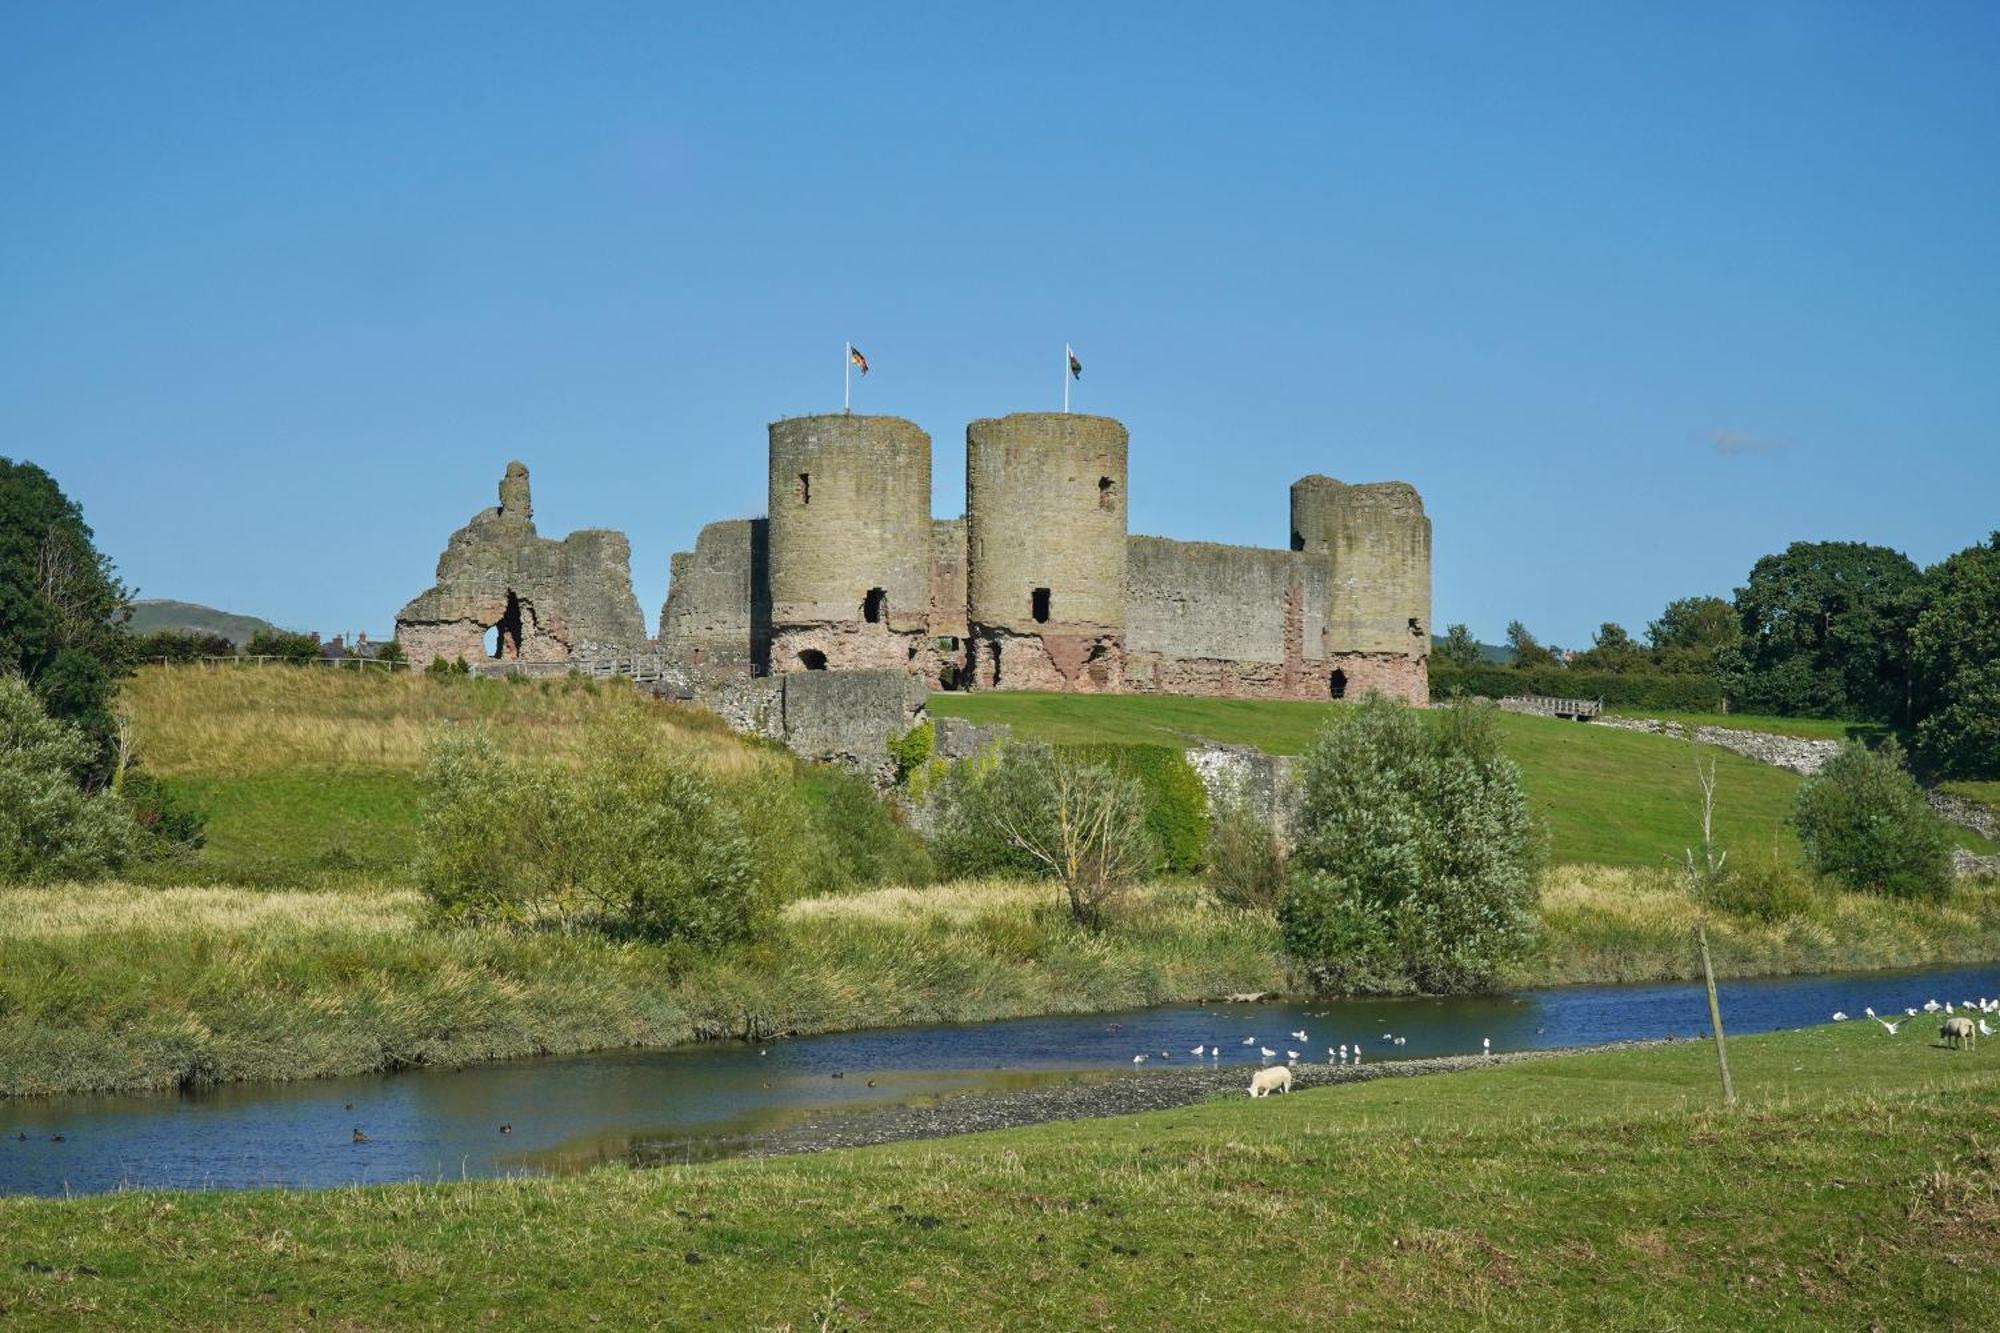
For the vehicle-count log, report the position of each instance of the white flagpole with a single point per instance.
(847, 377)
(1067, 354)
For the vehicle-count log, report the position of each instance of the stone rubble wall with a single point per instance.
(1796, 753)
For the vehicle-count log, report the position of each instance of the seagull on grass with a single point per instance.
(1889, 1027)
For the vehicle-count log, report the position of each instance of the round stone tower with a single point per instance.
(1377, 544)
(850, 542)
(1045, 551)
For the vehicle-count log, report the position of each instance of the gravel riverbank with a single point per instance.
(1088, 1096)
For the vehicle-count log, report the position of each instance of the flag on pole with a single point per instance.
(860, 361)
(1075, 366)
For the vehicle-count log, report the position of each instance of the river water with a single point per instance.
(566, 1114)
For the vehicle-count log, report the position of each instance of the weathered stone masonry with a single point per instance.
(545, 600)
(1040, 586)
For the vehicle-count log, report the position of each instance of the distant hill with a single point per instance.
(158, 613)
(1488, 652)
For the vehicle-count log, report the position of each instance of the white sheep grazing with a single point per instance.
(1267, 1081)
(1958, 1032)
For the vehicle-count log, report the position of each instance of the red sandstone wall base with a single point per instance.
(1399, 677)
(1063, 663)
(856, 647)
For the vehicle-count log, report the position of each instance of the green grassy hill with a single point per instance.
(158, 613)
(1617, 798)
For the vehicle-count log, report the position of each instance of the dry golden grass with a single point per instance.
(227, 720)
(78, 910)
(961, 901)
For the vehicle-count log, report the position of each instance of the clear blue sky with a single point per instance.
(1633, 293)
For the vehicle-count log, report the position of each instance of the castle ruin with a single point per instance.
(1040, 586)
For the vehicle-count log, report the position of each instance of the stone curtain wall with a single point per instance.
(551, 599)
(717, 617)
(1230, 621)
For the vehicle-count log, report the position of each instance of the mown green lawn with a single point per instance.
(1857, 1186)
(1607, 797)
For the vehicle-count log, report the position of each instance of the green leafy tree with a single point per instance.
(1611, 650)
(50, 827)
(1459, 648)
(1825, 628)
(1692, 632)
(1415, 856)
(62, 608)
(1864, 822)
(1955, 661)
(1528, 650)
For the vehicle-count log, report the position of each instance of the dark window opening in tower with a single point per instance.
(1107, 493)
(812, 659)
(1338, 684)
(996, 661)
(507, 633)
(1415, 628)
(802, 489)
(872, 604)
(1038, 605)
(1298, 541)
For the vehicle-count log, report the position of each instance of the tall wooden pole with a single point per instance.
(1715, 1015)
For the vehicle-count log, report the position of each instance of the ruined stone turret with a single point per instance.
(1376, 545)
(544, 600)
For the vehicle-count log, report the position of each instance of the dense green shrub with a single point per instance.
(634, 841)
(169, 821)
(1622, 689)
(284, 644)
(442, 666)
(869, 844)
(1762, 885)
(912, 750)
(966, 838)
(1865, 823)
(180, 645)
(1825, 632)
(1246, 858)
(1414, 852)
(50, 827)
(1176, 800)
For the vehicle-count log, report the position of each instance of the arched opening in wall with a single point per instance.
(1298, 540)
(1107, 493)
(506, 634)
(802, 489)
(1338, 683)
(1038, 605)
(873, 604)
(996, 661)
(812, 659)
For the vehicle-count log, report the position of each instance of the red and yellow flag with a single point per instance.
(854, 355)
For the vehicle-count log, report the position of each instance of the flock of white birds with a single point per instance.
(1979, 1008)
(1335, 1055)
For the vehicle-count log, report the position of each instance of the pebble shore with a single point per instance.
(1086, 1097)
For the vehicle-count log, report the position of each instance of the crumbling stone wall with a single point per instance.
(717, 617)
(1045, 497)
(850, 542)
(548, 599)
(1203, 618)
